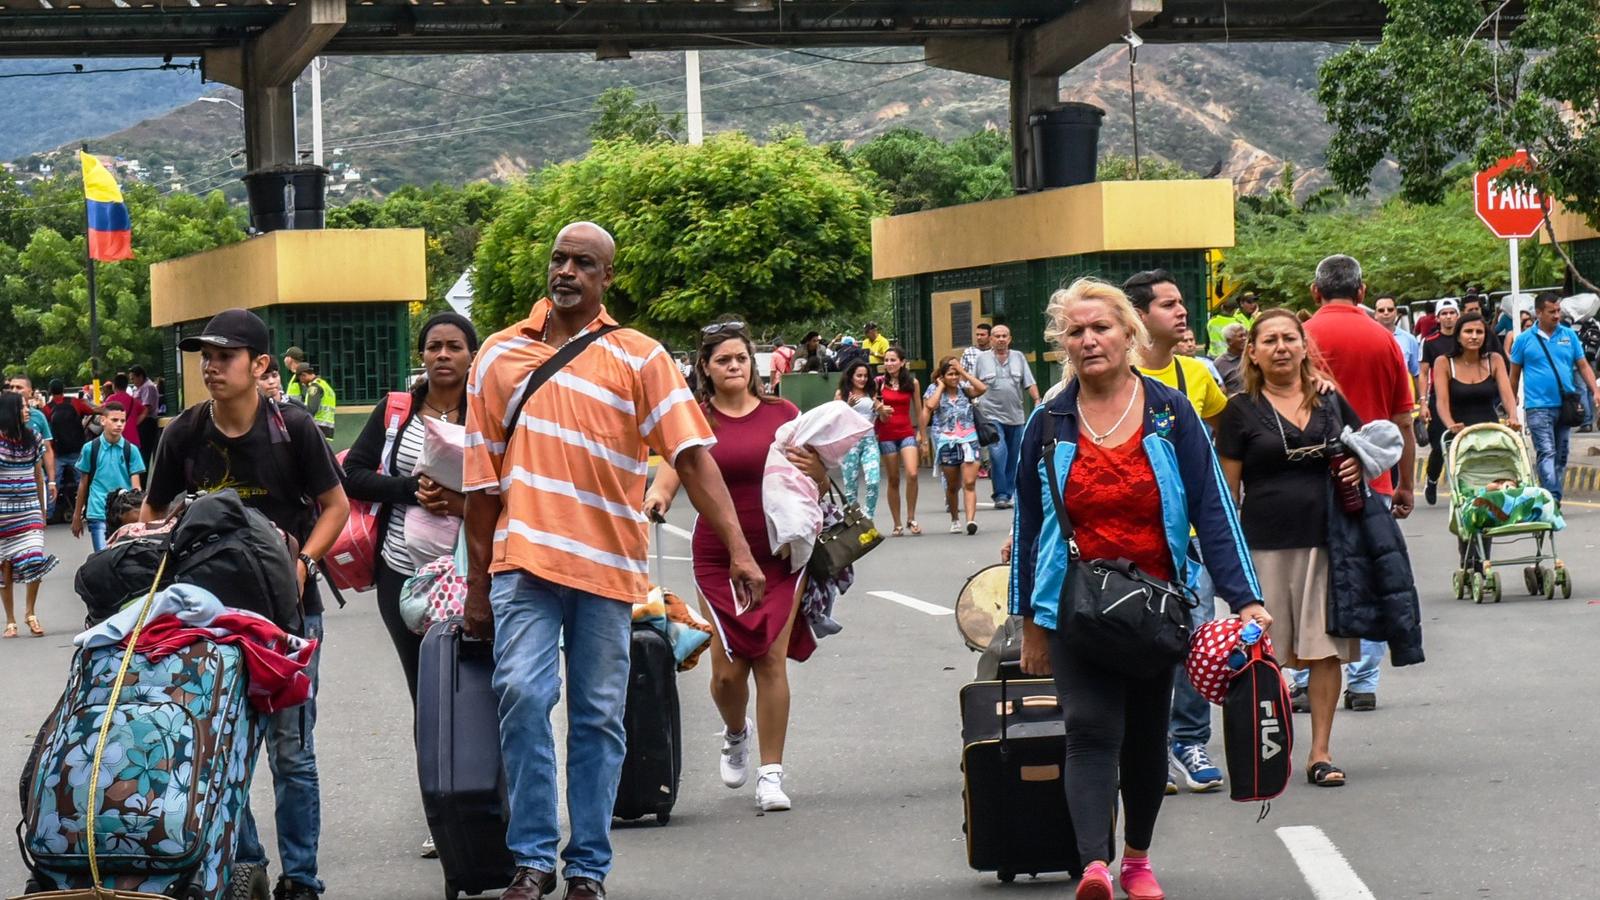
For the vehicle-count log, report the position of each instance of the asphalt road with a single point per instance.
(1471, 780)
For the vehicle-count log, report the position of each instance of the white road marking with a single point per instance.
(922, 606)
(1323, 866)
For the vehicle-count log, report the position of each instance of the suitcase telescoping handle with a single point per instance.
(655, 539)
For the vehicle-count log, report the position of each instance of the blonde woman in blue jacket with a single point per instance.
(1137, 472)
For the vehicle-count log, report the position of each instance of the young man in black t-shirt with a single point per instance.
(278, 462)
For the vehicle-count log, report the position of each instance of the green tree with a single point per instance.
(1452, 79)
(919, 171)
(622, 116)
(1415, 251)
(1116, 167)
(776, 233)
(453, 217)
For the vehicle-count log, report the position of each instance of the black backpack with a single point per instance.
(121, 572)
(1258, 729)
(236, 552)
(67, 425)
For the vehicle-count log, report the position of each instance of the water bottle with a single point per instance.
(1350, 498)
(1248, 636)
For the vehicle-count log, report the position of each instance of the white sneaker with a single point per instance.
(429, 851)
(955, 527)
(736, 757)
(769, 789)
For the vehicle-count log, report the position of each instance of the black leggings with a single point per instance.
(1436, 433)
(1116, 732)
(407, 644)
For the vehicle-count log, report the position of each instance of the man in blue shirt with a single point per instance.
(1549, 360)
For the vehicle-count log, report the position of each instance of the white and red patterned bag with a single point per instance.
(1207, 663)
(438, 591)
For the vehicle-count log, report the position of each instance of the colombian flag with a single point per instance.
(110, 232)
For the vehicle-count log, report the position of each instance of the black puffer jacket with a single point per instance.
(1371, 593)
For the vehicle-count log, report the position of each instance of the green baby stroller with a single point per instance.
(1494, 493)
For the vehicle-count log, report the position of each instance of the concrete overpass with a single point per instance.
(261, 46)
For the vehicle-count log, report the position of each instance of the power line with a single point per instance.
(78, 69)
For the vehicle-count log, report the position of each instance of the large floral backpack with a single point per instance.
(438, 591)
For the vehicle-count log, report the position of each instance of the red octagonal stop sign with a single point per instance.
(1510, 211)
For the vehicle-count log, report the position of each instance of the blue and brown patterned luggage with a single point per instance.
(173, 776)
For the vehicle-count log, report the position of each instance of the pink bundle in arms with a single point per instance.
(789, 497)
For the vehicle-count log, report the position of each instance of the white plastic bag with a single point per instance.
(443, 446)
(788, 495)
(429, 535)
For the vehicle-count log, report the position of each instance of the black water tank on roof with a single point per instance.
(1066, 144)
(287, 197)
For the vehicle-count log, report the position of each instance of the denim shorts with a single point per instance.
(890, 448)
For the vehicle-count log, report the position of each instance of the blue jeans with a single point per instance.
(1550, 445)
(1191, 713)
(97, 533)
(1361, 676)
(292, 757)
(531, 617)
(1003, 457)
(66, 471)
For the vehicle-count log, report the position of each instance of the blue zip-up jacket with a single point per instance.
(1193, 493)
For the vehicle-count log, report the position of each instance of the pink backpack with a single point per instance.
(350, 563)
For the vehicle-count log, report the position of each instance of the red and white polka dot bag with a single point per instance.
(1207, 664)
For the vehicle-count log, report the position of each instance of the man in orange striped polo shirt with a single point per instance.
(557, 546)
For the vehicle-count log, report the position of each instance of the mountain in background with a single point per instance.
(37, 114)
(1242, 109)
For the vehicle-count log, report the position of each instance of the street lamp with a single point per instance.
(221, 100)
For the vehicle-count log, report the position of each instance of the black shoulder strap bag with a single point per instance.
(1571, 415)
(551, 367)
(1125, 620)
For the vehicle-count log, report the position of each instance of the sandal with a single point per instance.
(34, 626)
(1325, 774)
(11, 629)
(897, 532)
(915, 528)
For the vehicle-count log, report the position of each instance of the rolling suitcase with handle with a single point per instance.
(654, 762)
(1012, 766)
(458, 760)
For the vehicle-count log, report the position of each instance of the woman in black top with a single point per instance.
(1471, 380)
(1271, 441)
(446, 344)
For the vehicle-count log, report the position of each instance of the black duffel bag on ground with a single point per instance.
(1123, 619)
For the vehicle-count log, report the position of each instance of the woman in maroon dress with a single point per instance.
(759, 640)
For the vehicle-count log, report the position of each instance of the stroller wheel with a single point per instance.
(1477, 587)
(1547, 582)
(1530, 579)
(1492, 585)
(1458, 583)
(1564, 583)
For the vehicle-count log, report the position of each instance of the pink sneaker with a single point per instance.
(1096, 883)
(1139, 881)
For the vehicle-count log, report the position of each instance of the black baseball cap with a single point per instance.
(231, 328)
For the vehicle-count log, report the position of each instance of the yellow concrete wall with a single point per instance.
(1569, 226)
(1087, 218)
(319, 266)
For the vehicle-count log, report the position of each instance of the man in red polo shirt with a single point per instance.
(1366, 362)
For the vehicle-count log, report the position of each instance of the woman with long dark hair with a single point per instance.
(953, 427)
(757, 641)
(22, 502)
(858, 388)
(1473, 380)
(899, 449)
(1271, 441)
(381, 468)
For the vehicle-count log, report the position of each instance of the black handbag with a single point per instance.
(1571, 414)
(1112, 613)
(988, 433)
(841, 544)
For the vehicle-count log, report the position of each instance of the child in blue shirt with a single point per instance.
(108, 463)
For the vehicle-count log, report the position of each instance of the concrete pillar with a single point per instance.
(269, 126)
(1030, 93)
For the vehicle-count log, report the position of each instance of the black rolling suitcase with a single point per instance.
(649, 785)
(458, 760)
(1014, 798)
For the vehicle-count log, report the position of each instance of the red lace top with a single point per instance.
(1115, 506)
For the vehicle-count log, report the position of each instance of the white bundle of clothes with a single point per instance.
(789, 496)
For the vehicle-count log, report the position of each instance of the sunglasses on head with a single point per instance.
(721, 327)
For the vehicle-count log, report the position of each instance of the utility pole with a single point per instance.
(316, 111)
(696, 116)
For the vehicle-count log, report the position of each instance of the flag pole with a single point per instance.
(94, 316)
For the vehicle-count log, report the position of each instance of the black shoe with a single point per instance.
(581, 888)
(1299, 701)
(293, 890)
(1360, 702)
(1431, 493)
(530, 884)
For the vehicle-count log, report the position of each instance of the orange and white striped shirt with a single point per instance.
(571, 474)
